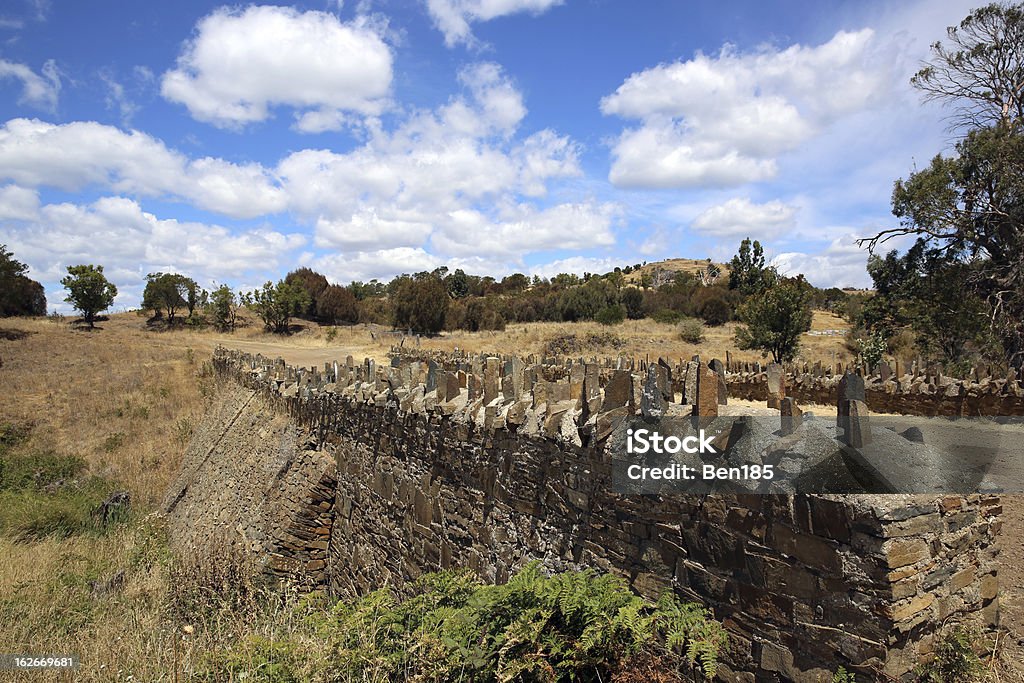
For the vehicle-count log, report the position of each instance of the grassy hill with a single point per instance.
(668, 268)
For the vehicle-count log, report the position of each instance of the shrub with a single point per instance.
(955, 660)
(691, 331)
(611, 315)
(716, 311)
(566, 626)
(666, 316)
(276, 304)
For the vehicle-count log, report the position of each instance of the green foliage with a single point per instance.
(691, 331)
(843, 676)
(633, 299)
(774, 320)
(611, 315)
(89, 291)
(572, 626)
(955, 660)
(716, 311)
(223, 308)
(44, 493)
(337, 305)
(872, 349)
(747, 272)
(924, 292)
(313, 284)
(170, 292)
(18, 294)
(419, 302)
(666, 316)
(276, 304)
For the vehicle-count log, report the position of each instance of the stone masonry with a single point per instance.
(803, 584)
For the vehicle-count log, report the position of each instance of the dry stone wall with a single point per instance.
(490, 462)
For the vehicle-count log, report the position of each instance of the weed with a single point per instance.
(955, 660)
(113, 442)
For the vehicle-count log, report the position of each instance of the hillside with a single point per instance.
(666, 269)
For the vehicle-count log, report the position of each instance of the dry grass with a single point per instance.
(313, 344)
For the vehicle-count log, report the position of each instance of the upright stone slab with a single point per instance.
(850, 388)
(516, 378)
(652, 400)
(792, 416)
(707, 392)
(576, 380)
(690, 383)
(618, 392)
(663, 378)
(858, 432)
(591, 399)
(723, 391)
(491, 379)
(884, 371)
(776, 384)
(453, 385)
(431, 376)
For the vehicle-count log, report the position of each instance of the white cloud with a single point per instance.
(375, 264)
(130, 242)
(453, 17)
(723, 120)
(37, 90)
(76, 155)
(739, 217)
(577, 265)
(118, 99)
(841, 264)
(18, 203)
(242, 62)
(523, 229)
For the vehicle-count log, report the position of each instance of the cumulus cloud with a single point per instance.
(130, 242)
(18, 203)
(458, 183)
(740, 217)
(841, 264)
(577, 265)
(453, 17)
(37, 90)
(454, 177)
(81, 154)
(523, 229)
(724, 119)
(375, 264)
(242, 62)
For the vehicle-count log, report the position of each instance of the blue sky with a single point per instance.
(364, 139)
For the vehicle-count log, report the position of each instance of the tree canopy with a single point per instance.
(19, 295)
(89, 291)
(774, 320)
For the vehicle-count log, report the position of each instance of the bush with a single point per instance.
(716, 311)
(611, 315)
(276, 304)
(666, 316)
(692, 331)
